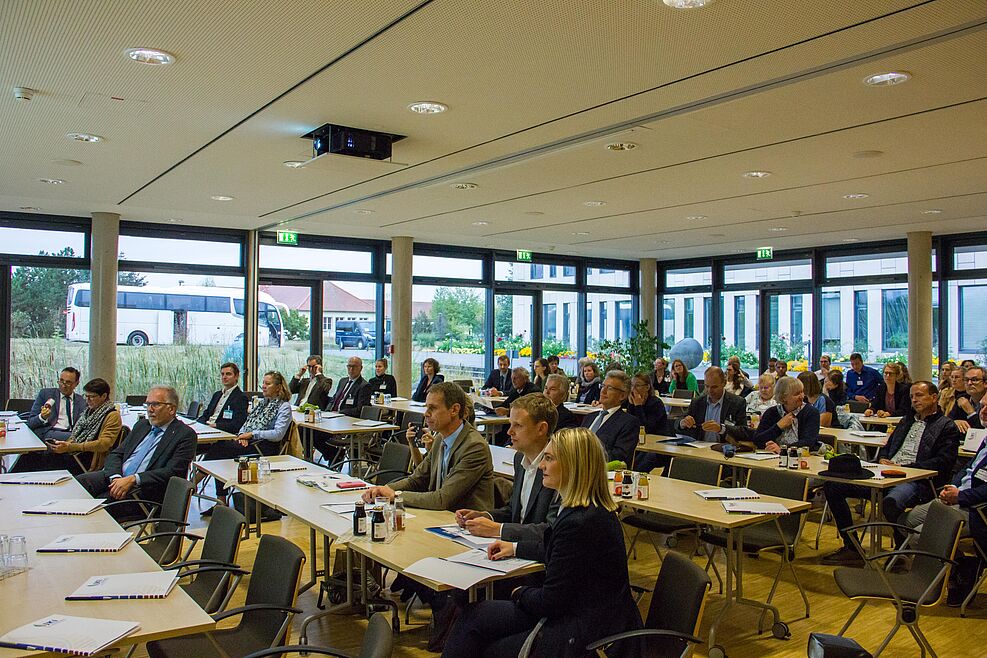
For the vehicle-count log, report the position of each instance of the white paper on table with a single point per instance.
(974, 439)
(71, 506)
(478, 558)
(98, 542)
(66, 634)
(865, 433)
(281, 467)
(728, 493)
(757, 456)
(701, 444)
(747, 507)
(460, 576)
(369, 423)
(41, 477)
(397, 399)
(145, 585)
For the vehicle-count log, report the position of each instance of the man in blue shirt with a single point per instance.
(862, 381)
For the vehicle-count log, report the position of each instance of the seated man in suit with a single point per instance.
(924, 439)
(158, 448)
(557, 390)
(56, 410)
(457, 472)
(313, 389)
(531, 506)
(352, 394)
(499, 381)
(382, 382)
(616, 429)
(707, 415)
(228, 407)
(521, 384)
(966, 410)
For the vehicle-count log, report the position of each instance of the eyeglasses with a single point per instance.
(973, 380)
(66, 382)
(91, 396)
(613, 388)
(155, 405)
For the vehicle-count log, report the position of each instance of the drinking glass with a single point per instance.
(17, 554)
(264, 470)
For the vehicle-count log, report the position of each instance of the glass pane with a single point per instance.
(870, 319)
(791, 270)
(447, 325)
(973, 257)
(560, 329)
(689, 315)
(690, 276)
(275, 257)
(293, 306)
(513, 328)
(349, 326)
(739, 320)
(607, 317)
(450, 268)
(34, 242)
(608, 277)
(790, 338)
(513, 271)
(870, 265)
(167, 250)
(967, 329)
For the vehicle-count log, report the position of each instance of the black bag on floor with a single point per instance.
(834, 646)
(266, 513)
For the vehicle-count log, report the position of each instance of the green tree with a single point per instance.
(503, 316)
(296, 325)
(635, 354)
(38, 297)
(457, 312)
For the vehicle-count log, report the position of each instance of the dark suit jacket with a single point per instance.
(236, 403)
(618, 434)
(975, 495)
(320, 395)
(385, 384)
(516, 393)
(41, 426)
(937, 448)
(356, 397)
(500, 381)
(734, 409)
(652, 415)
(171, 458)
(586, 595)
(543, 507)
(808, 426)
(567, 418)
(902, 399)
(661, 387)
(421, 391)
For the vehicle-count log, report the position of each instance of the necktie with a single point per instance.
(442, 464)
(599, 421)
(342, 395)
(68, 409)
(137, 458)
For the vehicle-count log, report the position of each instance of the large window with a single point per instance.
(167, 250)
(299, 259)
(32, 242)
(973, 257)
(447, 325)
(739, 324)
(608, 316)
(792, 270)
(562, 341)
(536, 272)
(968, 328)
(894, 316)
(690, 316)
(830, 322)
(349, 326)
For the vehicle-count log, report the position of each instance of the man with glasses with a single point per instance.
(709, 416)
(311, 385)
(966, 410)
(158, 448)
(616, 429)
(56, 410)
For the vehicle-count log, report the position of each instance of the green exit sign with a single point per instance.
(765, 253)
(287, 237)
(523, 256)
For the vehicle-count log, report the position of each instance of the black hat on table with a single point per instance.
(847, 467)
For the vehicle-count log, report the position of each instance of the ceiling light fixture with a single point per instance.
(363, 211)
(621, 146)
(29, 208)
(51, 181)
(856, 195)
(427, 107)
(580, 233)
(687, 4)
(150, 56)
(888, 79)
(534, 213)
(175, 220)
(594, 204)
(862, 155)
(66, 163)
(756, 174)
(932, 211)
(696, 218)
(851, 239)
(480, 223)
(464, 186)
(293, 164)
(84, 137)
(221, 197)
(717, 235)
(778, 229)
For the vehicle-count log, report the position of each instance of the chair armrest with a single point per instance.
(233, 570)
(372, 475)
(299, 648)
(909, 551)
(141, 501)
(220, 616)
(353, 461)
(643, 632)
(131, 524)
(882, 524)
(159, 535)
(200, 563)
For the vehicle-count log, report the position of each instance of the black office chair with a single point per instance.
(378, 642)
(156, 534)
(20, 405)
(215, 575)
(924, 585)
(674, 614)
(781, 538)
(858, 407)
(392, 465)
(692, 470)
(265, 616)
(194, 409)
(465, 384)
(683, 394)
(121, 437)
(135, 400)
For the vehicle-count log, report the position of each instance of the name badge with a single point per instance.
(981, 475)
(383, 386)
(349, 401)
(227, 414)
(859, 383)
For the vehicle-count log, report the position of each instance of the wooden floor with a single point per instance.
(949, 634)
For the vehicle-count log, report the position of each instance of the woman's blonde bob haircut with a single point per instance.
(583, 468)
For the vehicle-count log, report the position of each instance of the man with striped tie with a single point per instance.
(616, 429)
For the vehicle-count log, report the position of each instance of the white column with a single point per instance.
(920, 305)
(251, 325)
(103, 307)
(649, 294)
(402, 249)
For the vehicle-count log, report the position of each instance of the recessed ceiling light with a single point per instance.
(594, 204)
(778, 229)
(856, 195)
(464, 186)
(717, 235)
(175, 220)
(621, 146)
(427, 107)
(480, 223)
(534, 213)
(862, 155)
(66, 163)
(363, 211)
(696, 218)
(51, 181)
(221, 197)
(293, 164)
(84, 137)
(150, 56)
(687, 4)
(932, 211)
(580, 233)
(29, 208)
(887, 79)
(851, 239)
(756, 174)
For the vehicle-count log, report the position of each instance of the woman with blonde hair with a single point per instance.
(763, 397)
(579, 604)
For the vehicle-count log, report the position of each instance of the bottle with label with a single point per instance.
(242, 472)
(793, 458)
(783, 457)
(618, 481)
(643, 486)
(628, 489)
(378, 526)
(399, 513)
(252, 465)
(642, 435)
(359, 519)
(3, 429)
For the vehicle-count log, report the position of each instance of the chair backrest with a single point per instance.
(20, 405)
(857, 407)
(695, 470)
(411, 418)
(194, 408)
(273, 581)
(677, 602)
(135, 400)
(378, 642)
(683, 393)
(368, 412)
(395, 457)
(465, 384)
(940, 535)
(174, 507)
(782, 484)
(222, 544)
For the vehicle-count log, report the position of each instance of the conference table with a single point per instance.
(356, 431)
(677, 498)
(20, 439)
(41, 590)
(487, 422)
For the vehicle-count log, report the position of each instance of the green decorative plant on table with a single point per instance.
(634, 354)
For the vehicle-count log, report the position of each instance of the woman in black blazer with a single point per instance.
(430, 375)
(586, 593)
(589, 383)
(898, 403)
(789, 423)
(644, 405)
